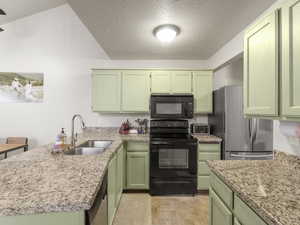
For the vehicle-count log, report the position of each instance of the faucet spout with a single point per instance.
(73, 137)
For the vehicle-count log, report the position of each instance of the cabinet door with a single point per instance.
(137, 170)
(261, 67)
(202, 90)
(135, 91)
(160, 82)
(106, 91)
(219, 214)
(291, 59)
(236, 222)
(119, 176)
(181, 82)
(111, 189)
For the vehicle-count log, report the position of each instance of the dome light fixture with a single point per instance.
(166, 33)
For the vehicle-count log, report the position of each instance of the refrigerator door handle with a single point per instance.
(253, 131)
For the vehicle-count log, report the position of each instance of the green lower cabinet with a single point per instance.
(236, 221)
(137, 170)
(203, 183)
(218, 211)
(119, 182)
(66, 218)
(111, 189)
(206, 151)
(224, 203)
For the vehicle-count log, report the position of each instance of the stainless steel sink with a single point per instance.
(96, 144)
(90, 147)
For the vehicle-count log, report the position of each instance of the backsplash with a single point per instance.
(287, 137)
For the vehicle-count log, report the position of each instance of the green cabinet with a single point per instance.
(181, 82)
(120, 169)
(236, 222)
(160, 82)
(219, 214)
(128, 91)
(63, 218)
(137, 170)
(202, 90)
(106, 91)
(291, 58)
(111, 189)
(135, 91)
(261, 79)
(206, 151)
(227, 206)
(115, 184)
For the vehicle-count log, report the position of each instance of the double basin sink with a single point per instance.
(91, 147)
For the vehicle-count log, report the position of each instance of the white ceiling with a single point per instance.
(124, 27)
(16, 9)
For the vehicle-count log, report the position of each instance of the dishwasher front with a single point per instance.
(98, 214)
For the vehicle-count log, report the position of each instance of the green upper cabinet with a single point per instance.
(291, 58)
(202, 90)
(135, 91)
(261, 67)
(160, 82)
(181, 82)
(106, 91)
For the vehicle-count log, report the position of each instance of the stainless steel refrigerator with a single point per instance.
(242, 138)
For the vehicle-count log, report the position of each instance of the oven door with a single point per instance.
(172, 107)
(178, 160)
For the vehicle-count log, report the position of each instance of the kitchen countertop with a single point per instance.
(271, 188)
(39, 182)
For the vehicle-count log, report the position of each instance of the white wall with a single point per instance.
(56, 43)
(229, 74)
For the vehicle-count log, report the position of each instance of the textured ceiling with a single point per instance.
(16, 9)
(124, 27)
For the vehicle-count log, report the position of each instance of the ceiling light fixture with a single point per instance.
(166, 33)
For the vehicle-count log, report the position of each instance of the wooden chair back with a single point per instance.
(17, 140)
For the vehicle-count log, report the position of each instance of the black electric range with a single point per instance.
(173, 158)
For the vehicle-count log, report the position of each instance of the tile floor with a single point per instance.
(142, 209)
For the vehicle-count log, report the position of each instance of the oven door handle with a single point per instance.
(159, 143)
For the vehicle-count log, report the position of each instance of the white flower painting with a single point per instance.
(21, 87)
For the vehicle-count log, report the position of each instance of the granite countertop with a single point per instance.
(271, 188)
(207, 138)
(39, 182)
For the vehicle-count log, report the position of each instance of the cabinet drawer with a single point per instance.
(202, 156)
(246, 215)
(209, 147)
(203, 183)
(222, 190)
(203, 168)
(137, 146)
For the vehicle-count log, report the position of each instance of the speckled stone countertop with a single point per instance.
(207, 138)
(271, 188)
(39, 182)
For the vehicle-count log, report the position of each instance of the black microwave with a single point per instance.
(172, 106)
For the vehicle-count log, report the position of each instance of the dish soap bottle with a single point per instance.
(63, 136)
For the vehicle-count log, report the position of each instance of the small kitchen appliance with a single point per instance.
(172, 106)
(200, 128)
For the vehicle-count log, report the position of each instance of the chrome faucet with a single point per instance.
(74, 137)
